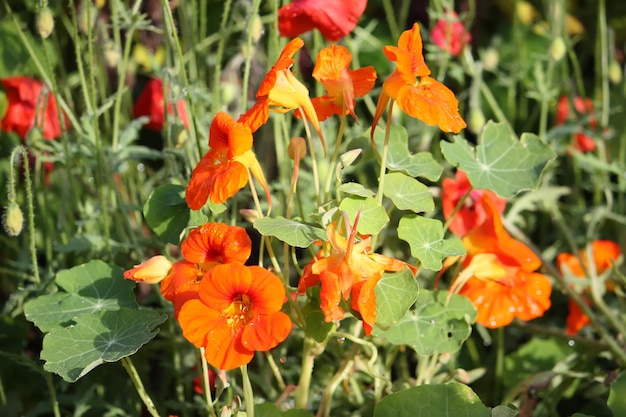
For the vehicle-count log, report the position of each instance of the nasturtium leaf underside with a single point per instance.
(354, 188)
(105, 336)
(315, 326)
(407, 193)
(395, 294)
(433, 326)
(292, 232)
(425, 238)
(443, 400)
(500, 163)
(89, 288)
(373, 215)
(399, 158)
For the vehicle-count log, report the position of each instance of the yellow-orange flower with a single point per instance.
(351, 270)
(205, 247)
(236, 314)
(342, 84)
(499, 275)
(604, 253)
(152, 271)
(415, 92)
(223, 171)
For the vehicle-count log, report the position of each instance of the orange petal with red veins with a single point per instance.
(223, 284)
(363, 80)
(266, 291)
(216, 242)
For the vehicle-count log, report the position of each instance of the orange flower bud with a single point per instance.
(152, 271)
(297, 146)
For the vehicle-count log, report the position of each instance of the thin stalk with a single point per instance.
(134, 377)
(390, 14)
(603, 64)
(246, 69)
(53, 394)
(309, 352)
(309, 138)
(220, 54)
(383, 158)
(458, 207)
(335, 156)
(499, 371)
(279, 378)
(248, 395)
(207, 384)
(327, 395)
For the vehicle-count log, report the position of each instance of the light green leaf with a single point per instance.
(433, 326)
(89, 289)
(295, 412)
(315, 326)
(166, 212)
(267, 410)
(444, 400)
(354, 188)
(617, 399)
(425, 237)
(407, 193)
(105, 336)
(373, 215)
(500, 162)
(399, 158)
(503, 411)
(534, 358)
(395, 294)
(292, 232)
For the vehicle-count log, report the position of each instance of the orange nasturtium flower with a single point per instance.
(223, 171)
(205, 247)
(342, 84)
(499, 275)
(604, 254)
(152, 271)
(236, 314)
(472, 213)
(416, 93)
(351, 270)
(280, 91)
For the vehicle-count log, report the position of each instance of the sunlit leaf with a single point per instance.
(292, 232)
(373, 215)
(354, 188)
(500, 162)
(445, 400)
(407, 193)
(425, 237)
(395, 294)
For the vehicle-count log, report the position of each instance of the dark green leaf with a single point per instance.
(166, 212)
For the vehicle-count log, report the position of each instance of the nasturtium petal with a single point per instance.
(266, 331)
(407, 193)
(442, 400)
(421, 164)
(435, 325)
(426, 240)
(292, 232)
(105, 336)
(395, 294)
(500, 162)
(373, 215)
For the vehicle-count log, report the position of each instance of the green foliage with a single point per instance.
(293, 232)
(395, 294)
(373, 215)
(407, 193)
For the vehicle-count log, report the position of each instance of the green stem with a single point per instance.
(458, 207)
(279, 378)
(309, 138)
(327, 395)
(391, 19)
(134, 377)
(499, 370)
(248, 395)
(603, 64)
(220, 54)
(246, 71)
(207, 384)
(309, 351)
(53, 394)
(383, 158)
(335, 156)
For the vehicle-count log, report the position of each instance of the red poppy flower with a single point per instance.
(450, 35)
(236, 314)
(498, 274)
(604, 254)
(472, 213)
(417, 94)
(205, 247)
(30, 103)
(151, 103)
(342, 84)
(351, 270)
(334, 19)
(582, 107)
(223, 171)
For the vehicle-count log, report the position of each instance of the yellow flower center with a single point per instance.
(239, 313)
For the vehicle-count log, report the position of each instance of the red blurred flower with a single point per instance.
(334, 19)
(236, 314)
(582, 107)
(151, 103)
(205, 247)
(450, 35)
(604, 254)
(415, 92)
(472, 213)
(342, 84)
(351, 270)
(498, 274)
(30, 103)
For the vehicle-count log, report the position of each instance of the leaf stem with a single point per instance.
(248, 395)
(207, 384)
(134, 377)
(53, 394)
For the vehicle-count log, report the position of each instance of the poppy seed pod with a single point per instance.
(44, 22)
(13, 219)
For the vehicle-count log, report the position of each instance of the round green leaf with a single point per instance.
(407, 193)
(166, 212)
(425, 237)
(617, 399)
(444, 400)
(395, 294)
(354, 188)
(373, 216)
(292, 232)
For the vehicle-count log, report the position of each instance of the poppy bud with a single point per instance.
(297, 145)
(84, 17)
(13, 219)
(615, 72)
(152, 271)
(476, 121)
(491, 58)
(557, 49)
(256, 28)
(44, 22)
(180, 135)
(111, 54)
